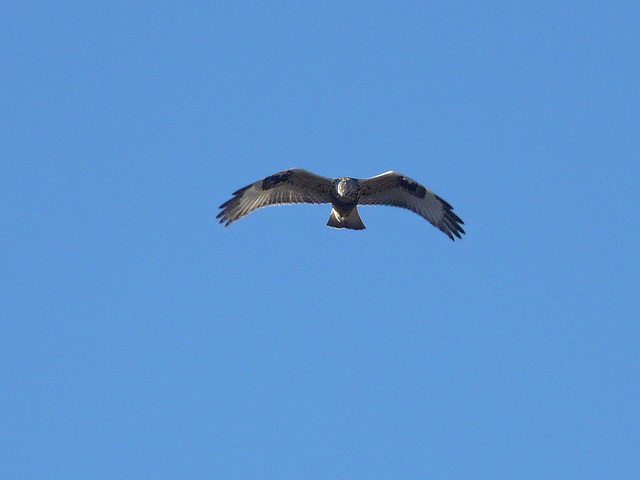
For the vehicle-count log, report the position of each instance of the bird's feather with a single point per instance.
(396, 190)
(290, 186)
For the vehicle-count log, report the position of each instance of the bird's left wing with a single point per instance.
(291, 186)
(396, 190)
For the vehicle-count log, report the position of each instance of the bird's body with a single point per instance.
(344, 194)
(344, 203)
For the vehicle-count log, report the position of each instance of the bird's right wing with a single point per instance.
(291, 186)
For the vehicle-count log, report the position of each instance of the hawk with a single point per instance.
(344, 194)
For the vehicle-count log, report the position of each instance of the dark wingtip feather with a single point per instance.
(456, 217)
(452, 221)
(445, 204)
(224, 214)
(242, 190)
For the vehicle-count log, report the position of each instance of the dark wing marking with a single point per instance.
(396, 190)
(291, 186)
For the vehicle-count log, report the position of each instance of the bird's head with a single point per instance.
(347, 188)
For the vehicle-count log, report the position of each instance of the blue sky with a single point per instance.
(140, 339)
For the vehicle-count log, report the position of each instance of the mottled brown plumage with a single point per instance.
(344, 194)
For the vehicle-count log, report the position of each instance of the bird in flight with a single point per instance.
(344, 194)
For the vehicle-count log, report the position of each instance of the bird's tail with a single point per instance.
(351, 220)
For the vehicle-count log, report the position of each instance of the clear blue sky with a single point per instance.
(139, 339)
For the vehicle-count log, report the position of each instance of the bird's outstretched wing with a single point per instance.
(291, 186)
(396, 190)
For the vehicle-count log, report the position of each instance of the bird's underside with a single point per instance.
(344, 195)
